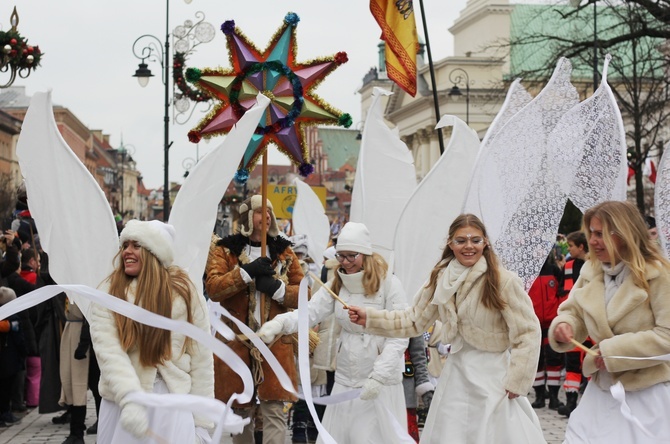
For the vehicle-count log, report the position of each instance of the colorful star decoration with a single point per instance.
(275, 73)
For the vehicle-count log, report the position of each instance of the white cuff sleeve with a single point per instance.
(245, 276)
(279, 294)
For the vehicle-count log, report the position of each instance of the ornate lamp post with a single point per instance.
(187, 164)
(456, 76)
(153, 50)
(17, 57)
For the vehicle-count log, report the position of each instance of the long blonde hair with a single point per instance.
(155, 286)
(374, 273)
(623, 220)
(491, 295)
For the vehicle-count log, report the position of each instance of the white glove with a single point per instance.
(371, 389)
(443, 349)
(134, 419)
(270, 330)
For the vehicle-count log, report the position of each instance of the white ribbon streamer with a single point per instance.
(227, 418)
(334, 399)
(619, 393)
(272, 361)
(209, 408)
(303, 360)
(642, 358)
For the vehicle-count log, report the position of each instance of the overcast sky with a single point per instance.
(88, 61)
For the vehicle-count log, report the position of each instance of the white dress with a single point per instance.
(359, 356)
(470, 405)
(165, 425)
(598, 419)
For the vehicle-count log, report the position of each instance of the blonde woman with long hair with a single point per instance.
(622, 301)
(363, 360)
(136, 357)
(494, 334)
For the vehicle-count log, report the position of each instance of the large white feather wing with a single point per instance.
(423, 226)
(385, 178)
(194, 211)
(662, 200)
(73, 217)
(509, 167)
(309, 218)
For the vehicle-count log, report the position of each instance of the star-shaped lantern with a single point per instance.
(276, 74)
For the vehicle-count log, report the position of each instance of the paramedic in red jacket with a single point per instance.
(544, 294)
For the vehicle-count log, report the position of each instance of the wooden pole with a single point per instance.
(332, 293)
(582, 347)
(264, 224)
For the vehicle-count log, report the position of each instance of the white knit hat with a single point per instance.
(246, 216)
(155, 236)
(354, 236)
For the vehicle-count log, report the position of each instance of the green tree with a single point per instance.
(633, 32)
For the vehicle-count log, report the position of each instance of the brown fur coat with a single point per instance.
(224, 284)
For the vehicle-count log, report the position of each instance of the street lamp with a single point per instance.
(153, 51)
(456, 76)
(186, 38)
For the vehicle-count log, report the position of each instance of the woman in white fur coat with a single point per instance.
(135, 357)
(495, 342)
(622, 301)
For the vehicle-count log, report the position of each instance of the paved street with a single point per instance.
(36, 428)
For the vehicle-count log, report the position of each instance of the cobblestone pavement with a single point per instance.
(38, 429)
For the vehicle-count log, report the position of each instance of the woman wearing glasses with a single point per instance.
(495, 341)
(363, 360)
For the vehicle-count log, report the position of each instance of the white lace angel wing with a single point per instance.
(309, 218)
(517, 97)
(423, 226)
(588, 146)
(662, 200)
(511, 163)
(385, 178)
(194, 211)
(73, 217)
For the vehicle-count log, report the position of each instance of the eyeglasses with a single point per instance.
(460, 241)
(348, 257)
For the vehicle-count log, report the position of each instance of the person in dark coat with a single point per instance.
(49, 326)
(12, 358)
(11, 269)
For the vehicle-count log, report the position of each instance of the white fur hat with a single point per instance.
(155, 236)
(6, 295)
(246, 216)
(354, 236)
(300, 244)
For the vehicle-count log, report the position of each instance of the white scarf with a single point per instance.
(352, 282)
(452, 279)
(614, 277)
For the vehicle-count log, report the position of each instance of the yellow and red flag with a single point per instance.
(396, 19)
